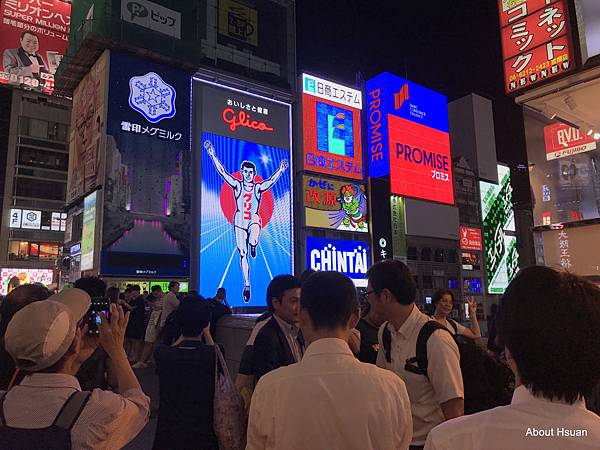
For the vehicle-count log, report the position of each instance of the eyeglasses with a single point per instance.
(365, 296)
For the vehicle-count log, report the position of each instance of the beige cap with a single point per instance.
(40, 334)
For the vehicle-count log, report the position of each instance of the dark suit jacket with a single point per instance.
(271, 349)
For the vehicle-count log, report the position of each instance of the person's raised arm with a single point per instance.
(269, 182)
(111, 336)
(219, 165)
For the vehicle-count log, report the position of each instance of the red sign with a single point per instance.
(470, 239)
(420, 162)
(562, 140)
(34, 36)
(332, 138)
(535, 41)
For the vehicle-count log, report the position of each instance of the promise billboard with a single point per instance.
(408, 138)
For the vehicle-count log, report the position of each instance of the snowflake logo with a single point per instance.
(152, 97)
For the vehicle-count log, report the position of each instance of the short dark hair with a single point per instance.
(221, 292)
(307, 273)
(155, 288)
(249, 164)
(550, 323)
(394, 276)
(330, 299)
(279, 285)
(94, 286)
(172, 284)
(193, 315)
(127, 290)
(136, 287)
(437, 296)
(28, 32)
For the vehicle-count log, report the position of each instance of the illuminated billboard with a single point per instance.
(88, 235)
(25, 276)
(245, 216)
(335, 205)
(88, 130)
(352, 258)
(34, 37)
(470, 238)
(408, 138)
(574, 249)
(331, 128)
(536, 42)
(147, 204)
(499, 240)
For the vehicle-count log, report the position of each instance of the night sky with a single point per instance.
(450, 46)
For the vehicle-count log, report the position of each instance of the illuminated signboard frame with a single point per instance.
(88, 235)
(499, 240)
(352, 258)
(26, 276)
(331, 117)
(230, 120)
(408, 138)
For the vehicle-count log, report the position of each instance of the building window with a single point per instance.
(43, 129)
(27, 187)
(452, 283)
(452, 256)
(425, 254)
(439, 255)
(411, 253)
(23, 250)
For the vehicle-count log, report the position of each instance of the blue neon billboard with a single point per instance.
(352, 258)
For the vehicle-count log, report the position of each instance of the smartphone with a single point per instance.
(99, 306)
(467, 312)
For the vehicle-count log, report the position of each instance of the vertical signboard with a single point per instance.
(335, 205)
(352, 258)
(245, 212)
(34, 37)
(380, 214)
(147, 205)
(397, 207)
(331, 128)
(89, 231)
(499, 240)
(408, 138)
(88, 130)
(536, 41)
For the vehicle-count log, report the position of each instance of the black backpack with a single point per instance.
(55, 437)
(487, 382)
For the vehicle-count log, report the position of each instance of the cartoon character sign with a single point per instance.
(353, 215)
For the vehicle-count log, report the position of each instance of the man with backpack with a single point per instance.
(49, 341)
(436, 395)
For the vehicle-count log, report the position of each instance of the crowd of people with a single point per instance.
(322, 368)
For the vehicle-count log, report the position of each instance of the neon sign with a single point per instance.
(242, 119)
(152, 97)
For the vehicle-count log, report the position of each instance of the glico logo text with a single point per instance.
(243, 119)
(424, 157)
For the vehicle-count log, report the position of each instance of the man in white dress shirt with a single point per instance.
(438, 395)
(549, 322)
(329, 400)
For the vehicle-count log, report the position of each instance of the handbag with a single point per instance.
(229, 416)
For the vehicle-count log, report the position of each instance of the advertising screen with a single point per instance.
(88, 128)
(25, 276)
(470, 238)
(564, 172)
(335, 205)
(408, 138)
(331, 128)
(246, 193)
(573, 249)
(147, 204)
(88, 234)
(352, 258)
(470, 261)
(536, 42)
(34, 37)
(499, 241)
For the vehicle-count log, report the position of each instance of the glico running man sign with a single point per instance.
(408, 138)
(246, 192)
